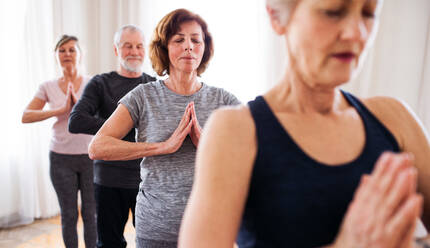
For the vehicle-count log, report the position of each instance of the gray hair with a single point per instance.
(118, 34)
(283, 8)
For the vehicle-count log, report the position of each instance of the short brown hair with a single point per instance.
(166, 28)
(64, 39)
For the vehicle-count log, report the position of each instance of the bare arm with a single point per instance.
(417, 142)
(107, 143)
(34, 111)
(223, 169)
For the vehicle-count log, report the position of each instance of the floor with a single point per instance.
(47, 233)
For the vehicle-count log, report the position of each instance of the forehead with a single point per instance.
(131, 36)
(68, 44)
(189, 27)
(343, 1)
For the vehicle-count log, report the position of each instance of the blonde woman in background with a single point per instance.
(287, 169)
(71, 169)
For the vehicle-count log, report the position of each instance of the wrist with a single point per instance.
(163, 148)
(59, 111)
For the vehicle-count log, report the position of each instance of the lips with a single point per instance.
(344, 56)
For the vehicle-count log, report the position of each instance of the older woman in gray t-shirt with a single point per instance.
(168, 115)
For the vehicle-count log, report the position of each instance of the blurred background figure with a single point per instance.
(70, 167)
(116, 183)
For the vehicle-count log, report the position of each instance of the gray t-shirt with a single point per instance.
(167, 179)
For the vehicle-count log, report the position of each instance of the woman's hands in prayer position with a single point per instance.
(188, 125)
(385, 207)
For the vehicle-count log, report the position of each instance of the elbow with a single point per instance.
(94, 150)
(25, 118)
(73, 128)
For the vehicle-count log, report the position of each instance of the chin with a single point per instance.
(133, 67)
(134, 64)
(189, 69)
(68, 66)
(334, 81)
(340, 76)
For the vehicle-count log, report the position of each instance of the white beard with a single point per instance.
(130, 67)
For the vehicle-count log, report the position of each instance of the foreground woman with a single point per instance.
(283, 170)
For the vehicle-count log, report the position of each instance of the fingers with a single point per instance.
(389, 166)
(404, 185)
(364, 192)
(185, 118)
(408, 241)
(194, 118)
(187, 129)
(182, 130)
(378, 181)
(196, 123)
(193, 111)
(69, 96)
(183, 134)
(70, 88)
(399, 227)
(380, 167)
(362, 189)
(186, 123)
(393, 186)
(385, 205)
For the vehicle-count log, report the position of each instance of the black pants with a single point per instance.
(112, 208)
(70, 174)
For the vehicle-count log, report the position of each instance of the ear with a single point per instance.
(115, 50)
(275, 19)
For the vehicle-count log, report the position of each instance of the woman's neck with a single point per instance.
(183, 83)
(70, 75)
(294, 94)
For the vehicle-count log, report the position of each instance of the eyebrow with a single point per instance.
(65, 48)
(129, 43)
(372, 1)
(193, 34)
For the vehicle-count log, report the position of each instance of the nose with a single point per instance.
(355, 29)
(189, 45)
(134, 50)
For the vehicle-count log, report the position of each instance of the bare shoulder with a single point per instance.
(233, 119)
(229, 137)
(397, 116)
(388, 109)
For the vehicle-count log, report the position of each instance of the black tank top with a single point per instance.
(294, 200)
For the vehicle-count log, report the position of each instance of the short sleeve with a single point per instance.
(41, 93)
(230, 99)
(134, 103)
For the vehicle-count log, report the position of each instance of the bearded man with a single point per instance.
(116, 183)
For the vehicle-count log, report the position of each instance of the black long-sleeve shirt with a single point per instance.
(97, 103)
